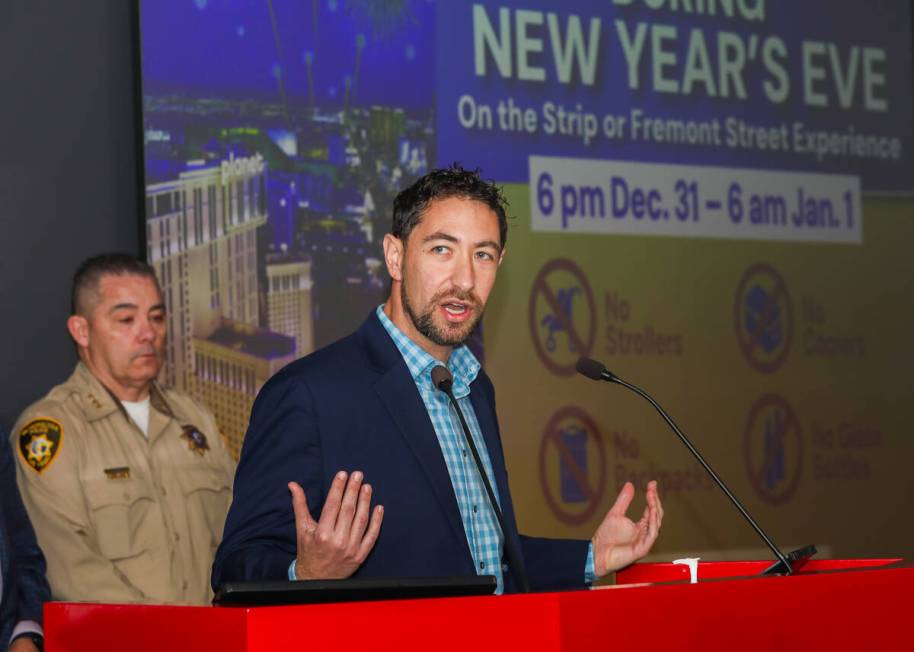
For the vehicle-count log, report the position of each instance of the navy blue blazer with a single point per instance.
(25, 588)
(354, 406)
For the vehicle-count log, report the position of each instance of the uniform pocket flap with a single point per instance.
(124, 515)
(203, 478)
(105, 492)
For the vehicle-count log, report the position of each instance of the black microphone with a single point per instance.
(444, 381)
(597, 371)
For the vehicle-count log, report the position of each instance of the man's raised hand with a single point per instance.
(619, 541)
(336, 545)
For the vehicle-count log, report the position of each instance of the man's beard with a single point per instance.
(453, 335)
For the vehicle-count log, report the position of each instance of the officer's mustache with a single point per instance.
(149, 350)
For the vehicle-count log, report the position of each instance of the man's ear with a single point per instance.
(501, 256)
(79, 329)
(393, 256)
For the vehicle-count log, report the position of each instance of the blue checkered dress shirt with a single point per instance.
(483, 534)
(479, 522)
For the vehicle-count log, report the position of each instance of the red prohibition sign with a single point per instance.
(749, 341)
(581, 342)
(593, 493)
(756, 465)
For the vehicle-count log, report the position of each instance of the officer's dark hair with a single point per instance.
(444, 183)
(90, 272)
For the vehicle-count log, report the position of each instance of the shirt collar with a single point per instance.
(462, 364)
(99, 401)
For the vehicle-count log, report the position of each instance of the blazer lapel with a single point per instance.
(489, 428)
(401, 399)
(485, 415)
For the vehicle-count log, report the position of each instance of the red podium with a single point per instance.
(830, 604)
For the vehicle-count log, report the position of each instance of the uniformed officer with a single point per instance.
(127, 482)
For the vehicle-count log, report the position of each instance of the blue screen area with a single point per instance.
(260, 50)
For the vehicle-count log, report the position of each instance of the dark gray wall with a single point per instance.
(68, 181)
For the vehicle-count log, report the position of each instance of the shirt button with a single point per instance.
(475, 508)
(482, 565)
(177, 537)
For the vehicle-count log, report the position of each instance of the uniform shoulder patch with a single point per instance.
(39, 442)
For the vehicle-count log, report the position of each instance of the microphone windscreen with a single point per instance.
(442, 377)
(590, 368)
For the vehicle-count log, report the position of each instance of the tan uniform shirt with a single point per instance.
(121, 518)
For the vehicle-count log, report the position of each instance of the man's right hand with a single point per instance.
(335, 546)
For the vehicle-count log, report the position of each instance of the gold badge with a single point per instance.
(39, 442)
(196, 440)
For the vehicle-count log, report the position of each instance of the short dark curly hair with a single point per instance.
(443, 183)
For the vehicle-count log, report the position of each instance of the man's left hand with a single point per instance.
(619, 541)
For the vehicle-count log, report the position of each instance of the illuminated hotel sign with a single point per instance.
(241, 167)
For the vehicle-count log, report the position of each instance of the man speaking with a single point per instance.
(365, 409)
